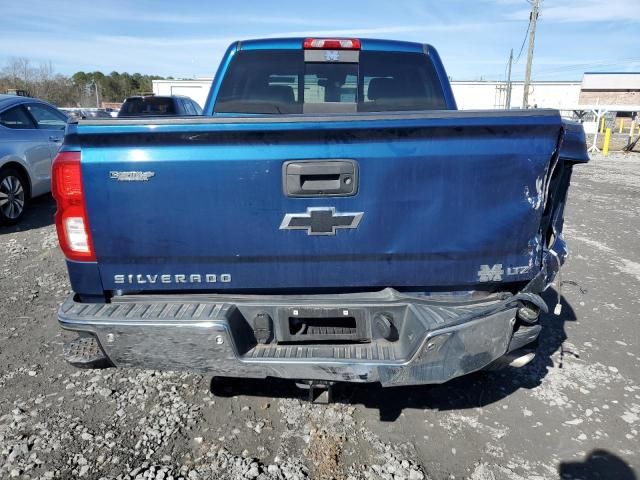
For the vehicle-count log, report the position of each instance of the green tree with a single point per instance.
(75, 90)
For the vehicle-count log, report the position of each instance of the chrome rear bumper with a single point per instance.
(437, 340)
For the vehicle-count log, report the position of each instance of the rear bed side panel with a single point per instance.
(445, 202)
(85, 278)
(574, 144)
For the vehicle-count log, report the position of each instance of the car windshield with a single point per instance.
(281, 81)
(147, 106)
(97, 114)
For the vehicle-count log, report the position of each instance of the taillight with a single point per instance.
(331, 44)
(71, 216)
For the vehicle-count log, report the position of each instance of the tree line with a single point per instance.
(77, 90)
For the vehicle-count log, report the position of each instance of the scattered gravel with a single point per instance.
(581, 394)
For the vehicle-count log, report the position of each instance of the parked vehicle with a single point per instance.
(333, 217)
(31, 132)
(151, 105)
(84, 113)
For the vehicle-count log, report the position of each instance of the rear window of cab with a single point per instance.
(280, 81)
(148, 106)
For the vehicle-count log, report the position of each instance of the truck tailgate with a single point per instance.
(442, 199)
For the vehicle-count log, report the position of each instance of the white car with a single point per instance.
(31, 133)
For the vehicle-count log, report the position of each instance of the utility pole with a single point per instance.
(97, 100)
(507, 103)
(535, 8)
(93, 84)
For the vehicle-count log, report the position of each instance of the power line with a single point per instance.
(523, 41)
(583, 66)
(547, 70)
(530, 3)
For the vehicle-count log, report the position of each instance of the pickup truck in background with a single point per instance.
(156, 106)
(331, 217)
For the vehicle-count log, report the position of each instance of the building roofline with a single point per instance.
(611, 73)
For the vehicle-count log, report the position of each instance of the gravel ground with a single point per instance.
(572, 413)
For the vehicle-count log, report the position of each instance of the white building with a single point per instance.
(610, 88)
(197, 89)
(469, 94)
(480, 95)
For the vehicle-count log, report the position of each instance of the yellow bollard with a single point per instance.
(602, 125)
(607, 139)
(621, 125)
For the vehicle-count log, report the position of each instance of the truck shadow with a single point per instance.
(475, 390)
(599, 464)
(39, 213)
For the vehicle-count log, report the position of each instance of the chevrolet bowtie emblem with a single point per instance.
(320, 221)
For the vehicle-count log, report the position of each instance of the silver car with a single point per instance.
(31, 132)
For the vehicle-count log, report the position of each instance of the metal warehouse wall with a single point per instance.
(483, 95)
(469, 95)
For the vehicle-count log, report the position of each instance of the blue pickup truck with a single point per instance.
(331, 217)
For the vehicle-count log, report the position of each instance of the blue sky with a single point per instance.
(187, 38)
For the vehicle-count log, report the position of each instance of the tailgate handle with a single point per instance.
(311, 178)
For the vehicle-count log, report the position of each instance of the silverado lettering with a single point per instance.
(175, 278)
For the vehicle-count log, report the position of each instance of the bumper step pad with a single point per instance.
(85, 352)
(371, 351)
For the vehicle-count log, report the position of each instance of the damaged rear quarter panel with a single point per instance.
(554, 251)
